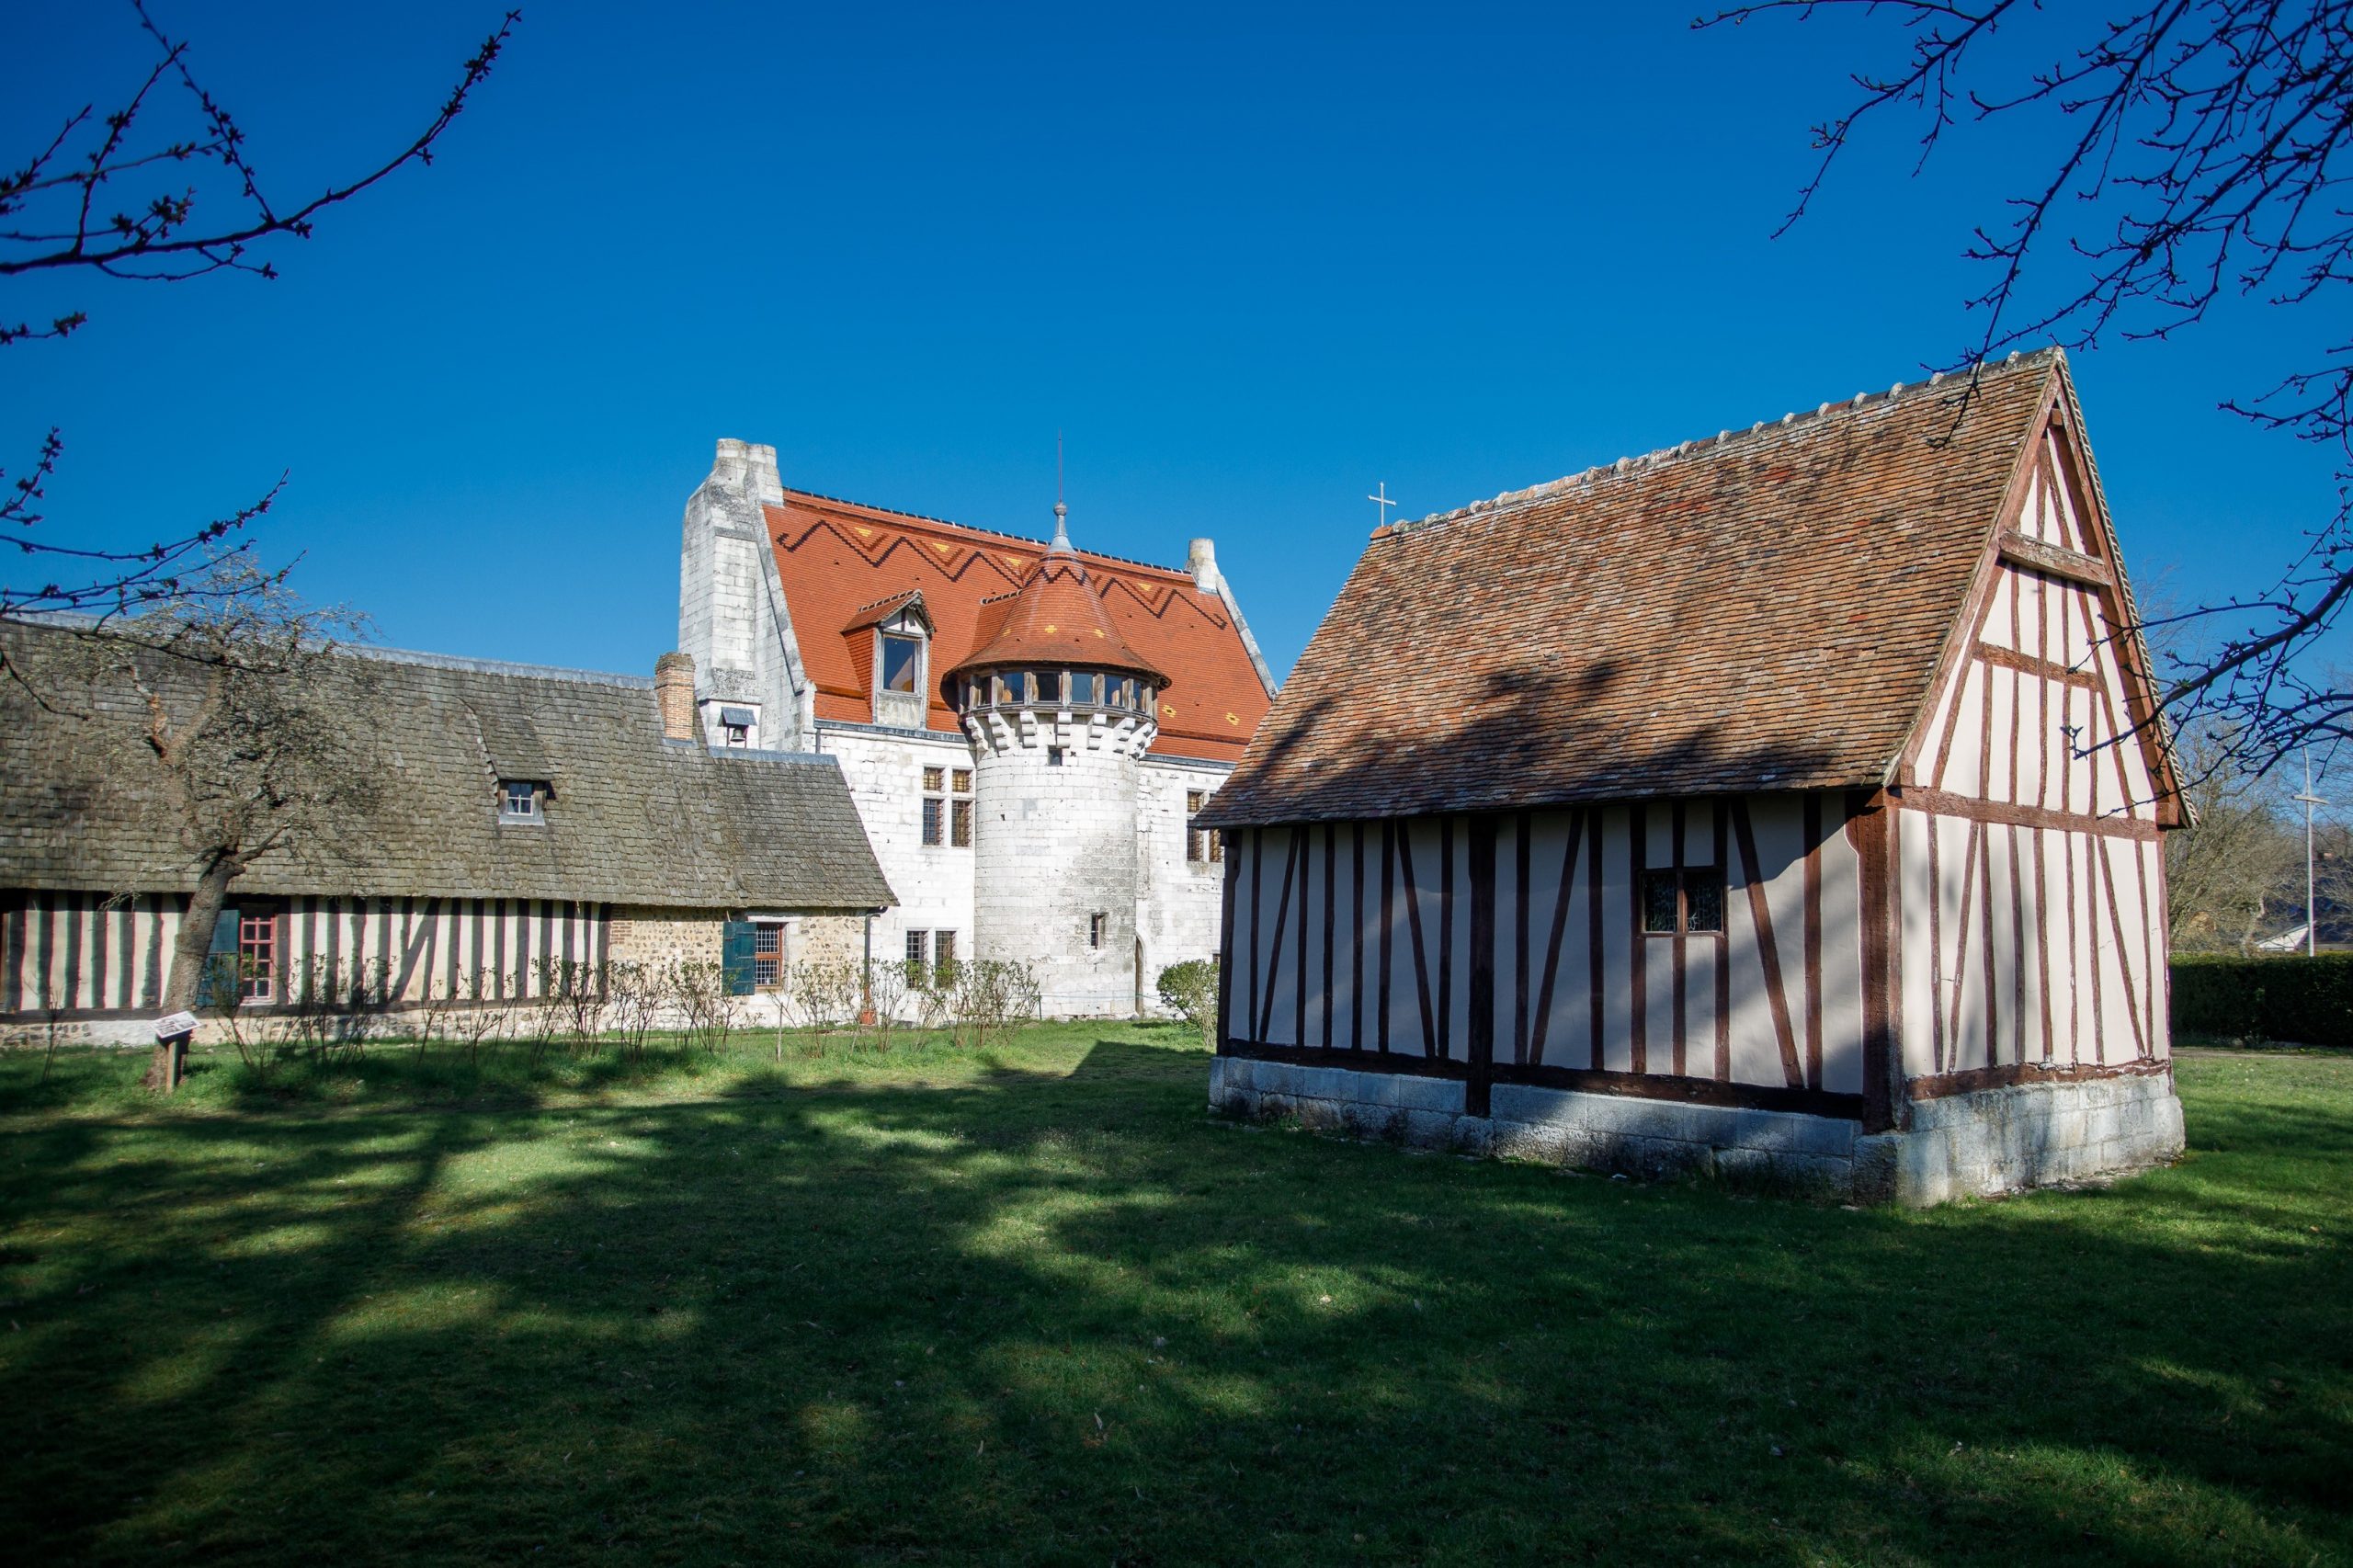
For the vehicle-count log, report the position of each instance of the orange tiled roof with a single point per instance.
(838, 559)
(1055, 617)
(1764, 609)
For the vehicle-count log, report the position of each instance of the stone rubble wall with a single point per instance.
(1992, 1142)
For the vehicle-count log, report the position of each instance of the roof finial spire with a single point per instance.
(1061, 530)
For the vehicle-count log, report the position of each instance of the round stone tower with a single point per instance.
(1058, 709)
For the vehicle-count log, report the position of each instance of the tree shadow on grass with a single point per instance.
(1074, 1318)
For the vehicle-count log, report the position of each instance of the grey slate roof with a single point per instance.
(630, 818)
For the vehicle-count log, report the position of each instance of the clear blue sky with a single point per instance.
(1252, 261)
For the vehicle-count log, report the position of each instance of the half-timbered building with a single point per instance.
(530, 826)
(1785, 803)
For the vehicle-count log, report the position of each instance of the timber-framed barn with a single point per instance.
(528, 820)
(1786, 804)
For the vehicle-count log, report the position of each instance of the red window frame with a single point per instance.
(257, 956)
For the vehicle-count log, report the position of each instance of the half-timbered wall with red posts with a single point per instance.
(2030, 878)
(1511, 948)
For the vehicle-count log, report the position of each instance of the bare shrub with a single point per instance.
(479, 1018)
(635, 993)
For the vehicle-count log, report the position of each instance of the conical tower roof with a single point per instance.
(1055, 617)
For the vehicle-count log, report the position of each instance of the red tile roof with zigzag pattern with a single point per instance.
(837, 558)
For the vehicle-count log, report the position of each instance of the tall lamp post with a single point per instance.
(2308, 800)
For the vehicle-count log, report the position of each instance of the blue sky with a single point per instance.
(1251, 260)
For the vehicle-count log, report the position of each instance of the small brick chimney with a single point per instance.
(673, 691)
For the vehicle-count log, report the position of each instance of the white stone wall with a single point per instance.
(1178, 903)
(1057, 847)
(934, 882)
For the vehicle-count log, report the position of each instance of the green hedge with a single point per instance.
(2307, 1001)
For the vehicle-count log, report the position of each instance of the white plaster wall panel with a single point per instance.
(1310, 953)
(1560, 1025)
(934, 882)
(1235, 938)
(2153, 871)
(2002, 732)
(1964, 755)
(1697, 1035)
(2000, 923)
(1408, 954)
(1842, 955)
(2086, 1002)
(1512, 835)
(1752, 1035)
(2067, 525)
(1611, 866)
(2001, 604)
(1449, 914)
(1916, 995)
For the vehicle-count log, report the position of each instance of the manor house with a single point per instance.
(1028, 729)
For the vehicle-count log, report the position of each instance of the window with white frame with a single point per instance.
(519, 801)
(902, 663)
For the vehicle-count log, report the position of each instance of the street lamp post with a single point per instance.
(2308, 800)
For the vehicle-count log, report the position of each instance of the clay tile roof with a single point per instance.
(836, 557)
(1055, 617)
(1759, 610)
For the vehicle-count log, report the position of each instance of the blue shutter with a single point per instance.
(218, 956)
(736, 956)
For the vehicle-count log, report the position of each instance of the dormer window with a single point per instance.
(901, 662)
(892, 640)
(519, 801)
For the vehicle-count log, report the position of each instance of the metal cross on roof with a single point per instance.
(1382, 501)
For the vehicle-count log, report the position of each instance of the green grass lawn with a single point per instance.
(1034, 1304)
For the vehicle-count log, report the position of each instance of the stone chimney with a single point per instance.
(1202, 559)
(674, 692)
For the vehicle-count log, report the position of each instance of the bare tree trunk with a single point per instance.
(191, 951)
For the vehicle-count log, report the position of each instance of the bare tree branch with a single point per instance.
(2202, 155)
(55, 217)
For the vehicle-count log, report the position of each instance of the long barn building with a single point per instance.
(530, 824)
(1785, 803)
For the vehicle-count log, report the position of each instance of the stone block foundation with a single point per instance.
(1993, 1141)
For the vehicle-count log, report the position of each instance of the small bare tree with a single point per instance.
(480, 1015)
(227, 710)
(886, 993)
(825, 993)
(636, 993)
(2225, 876)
